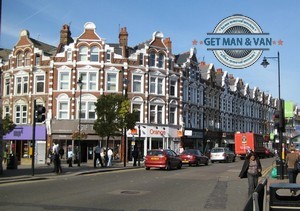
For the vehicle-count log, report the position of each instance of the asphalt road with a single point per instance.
(213, 187)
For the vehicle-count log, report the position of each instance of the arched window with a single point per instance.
(83, 53)
(19, 60)
(152, 59)
(27, 58)
(94, 54)
(161, 60)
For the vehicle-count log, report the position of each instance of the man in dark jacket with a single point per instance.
(252, 170)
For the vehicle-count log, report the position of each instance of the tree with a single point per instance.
(6, 126)
(113, 114)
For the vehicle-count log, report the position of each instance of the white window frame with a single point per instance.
(39, 81)
(27, 59)
(111, 83)
(83, 53)
(24, 84)
(87, 83)
(137, 82)
(94, 54)
(161, 60)
(6, 86)
(173, 114)
(173, 86)
(156, 113)
(20, 116)
(157, 85)
(19, 59)
(61, 113)
(65, 82)
(152, 59)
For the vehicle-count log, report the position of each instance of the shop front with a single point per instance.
(153, 137)
(19, 142)
(192, 139)
(66, 134)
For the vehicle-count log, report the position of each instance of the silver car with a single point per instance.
(223, 154)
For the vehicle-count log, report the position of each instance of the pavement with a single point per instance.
(42, 172)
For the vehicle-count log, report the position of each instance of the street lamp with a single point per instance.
(139, 146)
(79, 83)
(281, 147)
(124, 93)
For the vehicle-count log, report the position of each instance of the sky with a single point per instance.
(183, 21)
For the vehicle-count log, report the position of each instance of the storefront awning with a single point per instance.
(24, 132)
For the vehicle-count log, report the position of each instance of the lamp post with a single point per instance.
(139, 146)
(124, 93)
(79, 83)
(281, 147)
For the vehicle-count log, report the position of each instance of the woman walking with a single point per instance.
(252, 170)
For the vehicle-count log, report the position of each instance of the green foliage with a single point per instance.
(113, 114)
(8, 125)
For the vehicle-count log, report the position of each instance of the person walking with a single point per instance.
(291, 159)
(135, 154)
(97, 156)
(252, 170)
(109, 156)
(56, 159)
(70, 157)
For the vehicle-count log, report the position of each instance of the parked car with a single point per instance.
(222, 154)
(163, 159)
(193, 157)
(269, 153)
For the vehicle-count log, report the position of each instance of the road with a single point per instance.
(213, 187)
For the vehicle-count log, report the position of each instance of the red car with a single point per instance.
(193, 157)
(163, 159)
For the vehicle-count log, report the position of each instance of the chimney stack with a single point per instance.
(168, 43)
(123, 37)
(65, 35)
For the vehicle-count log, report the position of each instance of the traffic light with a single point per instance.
(40, 113)
(276, 119)
(282, 117)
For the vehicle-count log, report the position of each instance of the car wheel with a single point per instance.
(147, 168)
(179, 165)
(168, 167)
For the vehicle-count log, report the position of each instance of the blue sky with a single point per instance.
(182, 21)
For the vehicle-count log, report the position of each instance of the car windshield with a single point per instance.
(217, 150)
(155, 152)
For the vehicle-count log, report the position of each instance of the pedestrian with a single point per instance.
(56, 159)
(70, 158)
(291, 159)
(109, 156)
(61, 152)
(97, 156)
(135, 154)
(252, 170)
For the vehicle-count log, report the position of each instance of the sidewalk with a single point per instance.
(43, 171)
